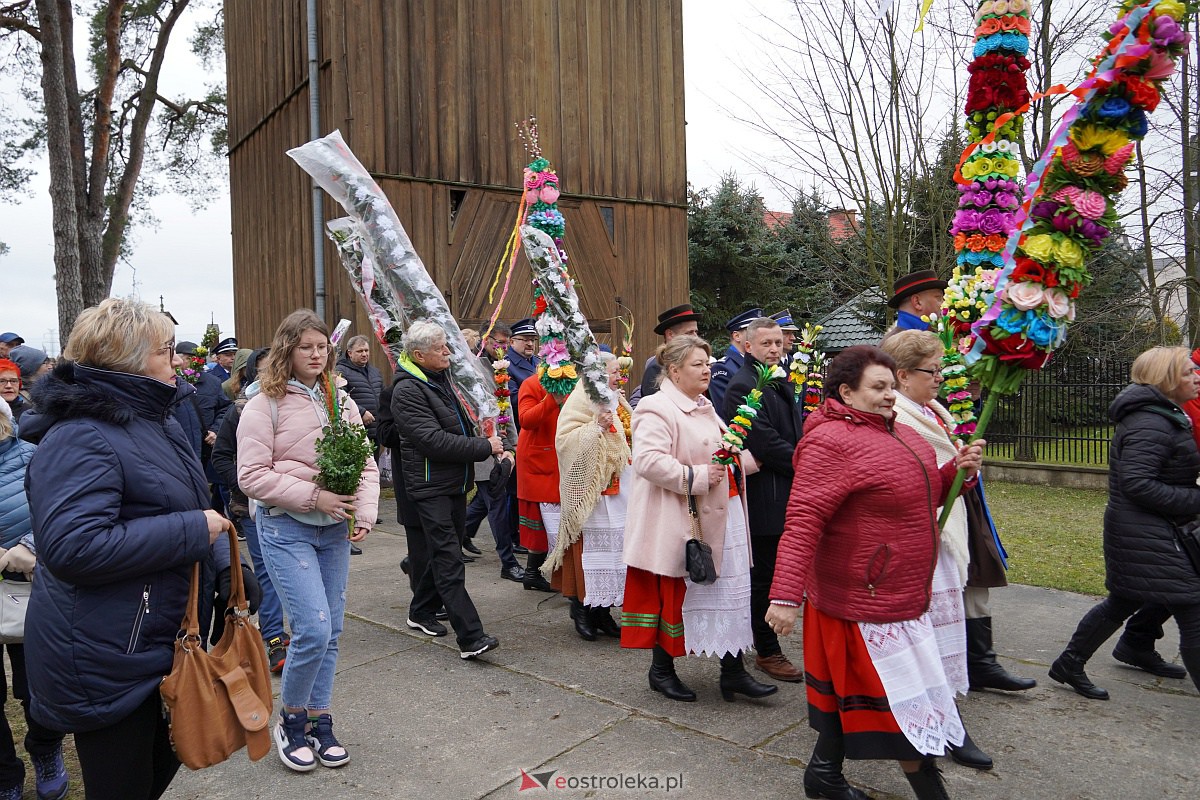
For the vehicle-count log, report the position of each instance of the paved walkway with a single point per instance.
(421, 723)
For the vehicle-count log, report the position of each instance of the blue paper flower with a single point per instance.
(1042, 330)
(1012, 320)
(1113, 109)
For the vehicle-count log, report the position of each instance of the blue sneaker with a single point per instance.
(50, 775)
(294, 751)
(321, 739)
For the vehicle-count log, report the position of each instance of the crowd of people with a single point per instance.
(117, 474)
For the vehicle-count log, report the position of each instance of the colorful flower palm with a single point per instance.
(734, 439)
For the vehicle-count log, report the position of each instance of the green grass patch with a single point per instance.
(1054, 537)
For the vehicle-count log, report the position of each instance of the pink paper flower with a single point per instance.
(1024, 295)
(1058, 305)
(1090, 204)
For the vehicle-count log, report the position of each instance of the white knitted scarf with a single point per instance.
(588, 459)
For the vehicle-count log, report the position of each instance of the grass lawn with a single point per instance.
(1053, 536)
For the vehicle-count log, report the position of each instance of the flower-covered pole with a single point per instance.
(734, 439)
(567, 338)
(1070, 201)
(391, 279)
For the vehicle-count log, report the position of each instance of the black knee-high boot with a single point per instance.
(603, 622)
(823, 776)
(927, 782)
(736, 680)
(533, 574)
(664, 680)
(1094, 629)
(583, 621)
(983, 670)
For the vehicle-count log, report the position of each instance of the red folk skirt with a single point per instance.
(530, 527)
(652, 613)
(845, 696)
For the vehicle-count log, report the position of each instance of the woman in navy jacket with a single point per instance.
(121, 512)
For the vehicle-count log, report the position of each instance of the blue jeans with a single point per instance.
(309, 566)
(495, 510)
(270, 611)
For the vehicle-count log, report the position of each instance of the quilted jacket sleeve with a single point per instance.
(1144, 451)
(813, 503)
(256, 472)
(76, 491)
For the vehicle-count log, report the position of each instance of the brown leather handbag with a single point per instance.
(219, 700)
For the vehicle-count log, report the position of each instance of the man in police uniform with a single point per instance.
(223, 355)
(788, 325)
(727, 366)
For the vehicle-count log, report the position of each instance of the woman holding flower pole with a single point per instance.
(593, 451)
(302, 526)
(675, 434)
(860, 549)
(1153, 464)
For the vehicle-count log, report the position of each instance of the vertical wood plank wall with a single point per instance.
(426, 93)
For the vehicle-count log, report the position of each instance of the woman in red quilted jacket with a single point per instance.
(861, 545)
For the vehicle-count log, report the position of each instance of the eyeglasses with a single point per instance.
(167, 349)
(936, 373)
(10, 381)
(309, 349)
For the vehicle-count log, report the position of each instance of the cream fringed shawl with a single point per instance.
(954, 535)
(588, 458)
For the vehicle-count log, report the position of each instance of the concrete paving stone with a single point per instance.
(420, 722)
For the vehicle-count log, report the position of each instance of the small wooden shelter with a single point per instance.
(426, 93)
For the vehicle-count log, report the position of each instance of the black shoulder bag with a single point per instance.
(699, 555)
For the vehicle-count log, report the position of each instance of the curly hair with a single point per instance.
(274, 375)
(848, 366)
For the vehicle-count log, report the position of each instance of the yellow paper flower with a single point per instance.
(1039, 247)
(1171, 8)
(1068, 253)
(1092, 137)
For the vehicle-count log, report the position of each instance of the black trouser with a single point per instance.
(762, 572)
(1105, 618)
(1145, 627)
(442, 519)
(39, 740)
(131, 759)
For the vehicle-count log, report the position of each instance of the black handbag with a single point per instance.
(1188, 538)
(698, 554)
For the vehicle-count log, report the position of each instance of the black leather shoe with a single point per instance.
(1068, 670)
(521, 551)
(667, 683)
(825, 779)
(735, 683)
(406, 565)
(969, 755)
(355, 550)
(1148, 660)
(516, 573)
(466, 559)
(603, 622)
(469, 546)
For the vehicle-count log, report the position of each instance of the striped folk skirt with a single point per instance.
(888, 688)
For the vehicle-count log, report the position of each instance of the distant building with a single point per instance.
(843, 222)
(860, 320)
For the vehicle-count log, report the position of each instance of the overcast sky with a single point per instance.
(188, 261)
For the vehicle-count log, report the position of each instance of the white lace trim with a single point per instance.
(922, 664)
(551, 516)
(716, 617)
(603, 545)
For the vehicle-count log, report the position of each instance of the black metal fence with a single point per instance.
(1060, 416)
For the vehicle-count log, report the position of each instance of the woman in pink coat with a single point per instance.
(303, 528)
(675, 433)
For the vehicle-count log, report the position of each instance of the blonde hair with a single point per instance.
(472, 337)
(1162, 367)
(277, 371)
(675, 352)
(909, 348)
(119, 335)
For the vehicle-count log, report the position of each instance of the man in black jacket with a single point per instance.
(364, 381)
(438, 452)
(772, 441)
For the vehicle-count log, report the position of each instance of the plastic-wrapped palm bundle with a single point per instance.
(385, 268)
